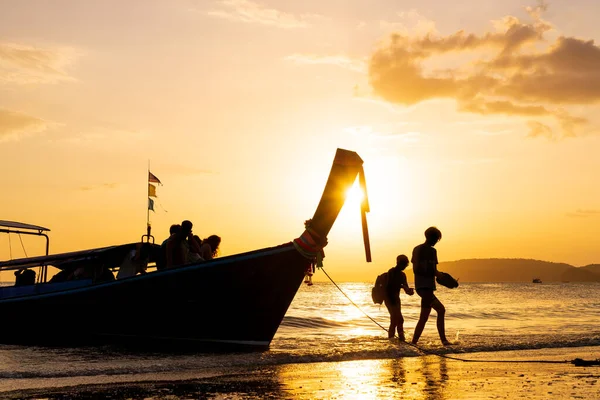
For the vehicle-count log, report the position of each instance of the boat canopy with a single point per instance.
(20, 225)
(66, 260)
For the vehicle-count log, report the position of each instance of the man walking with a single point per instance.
(424, 260)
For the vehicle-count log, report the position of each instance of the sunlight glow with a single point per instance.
(354, 195)
(363, 375)
(348, 313)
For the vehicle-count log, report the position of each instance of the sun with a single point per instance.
(389, 182)
(354, 195)
(348, 220)
(392, 209)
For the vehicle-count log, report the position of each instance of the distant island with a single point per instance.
(517, 270)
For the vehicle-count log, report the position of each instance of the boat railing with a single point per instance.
(20, 228)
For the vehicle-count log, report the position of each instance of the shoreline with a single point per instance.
(522, 373)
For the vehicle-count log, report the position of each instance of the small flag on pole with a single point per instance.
(151, 190)
(150, 204)
(153, 178)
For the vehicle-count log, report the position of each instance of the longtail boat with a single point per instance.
(231, 302)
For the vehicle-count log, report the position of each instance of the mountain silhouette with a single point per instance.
(595, 268)
(517, 270)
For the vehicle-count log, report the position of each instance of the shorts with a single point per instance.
(427, 297)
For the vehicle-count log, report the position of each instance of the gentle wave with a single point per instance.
(302, 322)
(381, 349)
(323, 326)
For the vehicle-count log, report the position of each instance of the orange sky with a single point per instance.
(479, 120)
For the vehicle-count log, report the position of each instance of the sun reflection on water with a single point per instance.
(410, 378)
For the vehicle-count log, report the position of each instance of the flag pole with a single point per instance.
(151, 193)
(148, 228)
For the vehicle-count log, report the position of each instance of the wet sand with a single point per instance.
(518, 374)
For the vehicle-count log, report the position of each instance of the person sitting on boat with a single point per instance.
(179, 246)
(173, 230)
(18, 278)
(82, 273)
(62, 276)
(161, 262)
(194, 243)
(135, 262)
(103, 274)
(24, 277)
(210, 247)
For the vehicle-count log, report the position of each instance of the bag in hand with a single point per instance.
(445, 279)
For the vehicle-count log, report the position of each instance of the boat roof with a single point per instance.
(20, 225)
(62, 260)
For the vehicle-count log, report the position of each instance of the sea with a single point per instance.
(331, 322)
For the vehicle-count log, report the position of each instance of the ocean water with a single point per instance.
(323, 325)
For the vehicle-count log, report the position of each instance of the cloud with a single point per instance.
(254, 13)
(515, 72)
(23, 64)
(409, 22)
(584, 213)
(341, 61)
(538, 129)
(15, 126)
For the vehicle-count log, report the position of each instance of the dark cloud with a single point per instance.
(524, 76)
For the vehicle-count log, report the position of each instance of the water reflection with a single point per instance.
(433, 373)
(410, 378)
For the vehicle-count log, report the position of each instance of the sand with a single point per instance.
(424, 377)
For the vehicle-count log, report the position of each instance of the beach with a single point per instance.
(326, 348)
(491, 375)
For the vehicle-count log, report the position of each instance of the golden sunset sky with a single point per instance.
(478, 117)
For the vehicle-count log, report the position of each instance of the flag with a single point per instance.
(151, 190)
(150, 204)
(153, 178)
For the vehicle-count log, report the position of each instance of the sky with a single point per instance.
(480, 118)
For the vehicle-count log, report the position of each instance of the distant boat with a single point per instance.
(230, 302)
(537, 280)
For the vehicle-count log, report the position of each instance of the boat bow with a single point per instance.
(347, 165)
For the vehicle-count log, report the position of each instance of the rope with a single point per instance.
(22, 246)
(310, 245)
(576, 362)
(355, 305)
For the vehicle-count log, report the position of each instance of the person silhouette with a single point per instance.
(178, 245)
(210, 247)
(424, 260)
(396, 281)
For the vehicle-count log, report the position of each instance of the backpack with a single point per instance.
(378, 291)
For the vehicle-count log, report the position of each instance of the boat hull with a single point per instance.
(231, 302)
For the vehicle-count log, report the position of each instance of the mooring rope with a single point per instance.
(355, 305)
(23, 246)
(577, 361)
